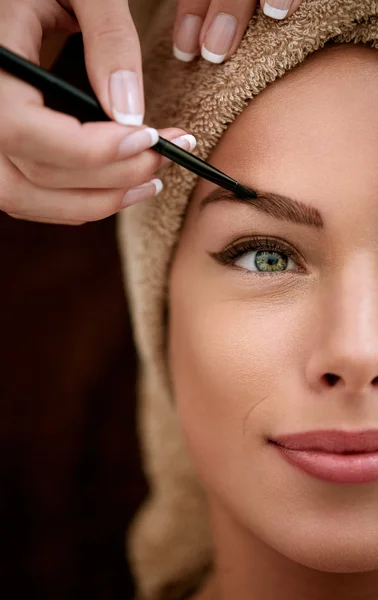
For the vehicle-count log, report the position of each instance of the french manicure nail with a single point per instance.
(125, 96)
(186, 142)
(186, 45)
(278, 9)
(142, 192)
(219, 38)
(137, 142)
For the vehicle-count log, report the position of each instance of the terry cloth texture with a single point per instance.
(169, 543)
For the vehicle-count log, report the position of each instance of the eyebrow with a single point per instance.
(274, 205)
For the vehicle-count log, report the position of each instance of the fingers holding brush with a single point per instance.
(52, 167)
(41, 192)
(137, 163)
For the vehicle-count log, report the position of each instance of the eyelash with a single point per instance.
(234, 251)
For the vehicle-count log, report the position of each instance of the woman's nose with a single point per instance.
(344, 353)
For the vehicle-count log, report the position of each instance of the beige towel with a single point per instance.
(169, 543)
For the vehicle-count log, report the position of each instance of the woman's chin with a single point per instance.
(330, 554)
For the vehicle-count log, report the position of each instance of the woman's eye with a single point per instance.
(262, 255)
(266, 261)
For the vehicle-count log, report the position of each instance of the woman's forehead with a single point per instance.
(321, 117)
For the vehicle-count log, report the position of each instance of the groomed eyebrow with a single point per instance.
(274, 205)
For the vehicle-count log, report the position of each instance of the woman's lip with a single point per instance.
(331, 440)
(336, 468)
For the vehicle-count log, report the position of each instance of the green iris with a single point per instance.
(271, 261)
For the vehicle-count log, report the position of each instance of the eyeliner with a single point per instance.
(86, 108)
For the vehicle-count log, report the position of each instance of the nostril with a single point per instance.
(375, 380)
(331, 378)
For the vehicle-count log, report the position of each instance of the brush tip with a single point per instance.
(243, 192)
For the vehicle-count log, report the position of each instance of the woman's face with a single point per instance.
(263, 308)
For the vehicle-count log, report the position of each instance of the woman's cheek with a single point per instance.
(224, 357)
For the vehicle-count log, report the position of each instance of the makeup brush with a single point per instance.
(86, 108)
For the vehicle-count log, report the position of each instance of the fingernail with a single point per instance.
(142, 192)
(186, 142)
(138, 141)
(278, 9)
(219, 38)
(125, 97)
(186, 45)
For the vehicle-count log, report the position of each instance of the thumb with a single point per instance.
(113, 57)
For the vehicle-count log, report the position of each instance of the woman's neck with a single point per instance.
(248, 569)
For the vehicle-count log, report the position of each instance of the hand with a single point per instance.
(53, 168)
(216, 27)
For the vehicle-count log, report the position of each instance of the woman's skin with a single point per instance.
(249, 351)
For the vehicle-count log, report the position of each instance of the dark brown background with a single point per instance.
(69, 464)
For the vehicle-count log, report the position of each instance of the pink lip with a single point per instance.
(322, 454)
(331, 441)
